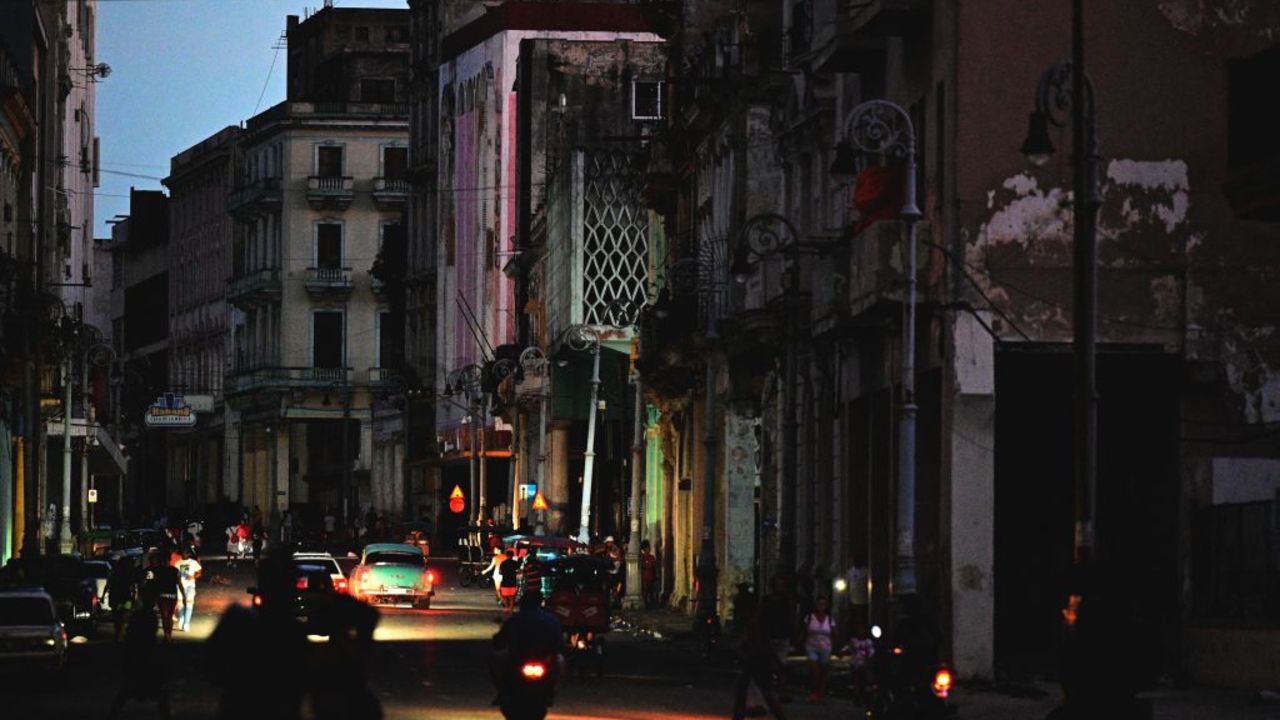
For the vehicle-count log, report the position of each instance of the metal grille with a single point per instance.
(615, 235)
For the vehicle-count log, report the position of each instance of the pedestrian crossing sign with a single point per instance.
(539, 502)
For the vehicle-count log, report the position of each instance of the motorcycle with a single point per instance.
(528, 687)
(907, 688)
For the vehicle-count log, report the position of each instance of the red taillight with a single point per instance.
(431, 578)
(340, 585)
(942, 682)
(257, 600)
(301, 584)
(533, 670)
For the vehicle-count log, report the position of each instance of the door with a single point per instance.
(326, 334)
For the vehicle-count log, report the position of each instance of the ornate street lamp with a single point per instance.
(879, 127)
(1062, 88)
(584, 338)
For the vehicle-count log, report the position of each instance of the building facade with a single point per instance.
(470, 224)
(320, 192)
(809, 351)
(200, 471)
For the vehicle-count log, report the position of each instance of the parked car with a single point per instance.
(327, 561)
(30, 632)
(313, 597)
(393, 573)
(74, 594)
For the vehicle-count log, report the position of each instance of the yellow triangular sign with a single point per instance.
(457, 492)
(539, 502)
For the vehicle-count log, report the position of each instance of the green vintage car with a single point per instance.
(393, 574)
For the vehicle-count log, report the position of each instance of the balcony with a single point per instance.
(883, 18)
(329, 281)
(258, 198)
(330, 192)
(247, 379)
(390, 193)
(386, 379)
(254, 288)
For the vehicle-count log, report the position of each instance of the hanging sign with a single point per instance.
(170, 410)
(539, 502)
(457, 501)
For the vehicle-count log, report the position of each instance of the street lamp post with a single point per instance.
(624, 314)
(879, 127)
(533, 360)
(1062, 86)
(467, 379)
(581, 338)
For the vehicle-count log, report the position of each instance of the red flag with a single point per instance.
(878, 194)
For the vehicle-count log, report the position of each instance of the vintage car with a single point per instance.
(393, 574)
(30, 632)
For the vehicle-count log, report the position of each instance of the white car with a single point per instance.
(30, 632)
(324, 560)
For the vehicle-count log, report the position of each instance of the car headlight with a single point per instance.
(50, 641)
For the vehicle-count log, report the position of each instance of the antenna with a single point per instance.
(328, 3)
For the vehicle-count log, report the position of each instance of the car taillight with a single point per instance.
(431, 578)
(257, 601)
(340, 585)
(301, 584)
(942, 682)
(533, 670)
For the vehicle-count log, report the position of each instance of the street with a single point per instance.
(427, 664)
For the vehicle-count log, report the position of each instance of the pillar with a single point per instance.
(281, 438)
(738, 503)
(557, 490)
(972, 562)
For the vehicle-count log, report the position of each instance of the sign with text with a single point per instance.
(170, 410)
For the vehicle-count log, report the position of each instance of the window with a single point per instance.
(329, 161)
(378, 90)
(646, 100)
(390, 340)
(329, 246)
(394, 160)
(326, 339)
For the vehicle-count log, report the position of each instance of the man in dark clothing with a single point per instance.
(759, 666)
(144, 675)
(161, 586)
(531, 633)
(259, 656)
(532, 571)
(778, 623)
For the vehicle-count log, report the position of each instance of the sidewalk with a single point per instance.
(984, 700)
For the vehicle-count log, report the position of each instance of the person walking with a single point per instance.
(142, 665)
(648, 576)
(161, 588)
(761, 668)
(507, 581)
(189, 569)
(495, 569)
(819, 637)
(122, 593)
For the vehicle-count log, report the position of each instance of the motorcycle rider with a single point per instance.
(530, 634)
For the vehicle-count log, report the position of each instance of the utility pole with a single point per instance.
(482, 498)
(634, 597)
(64, 535)
(84, 446)
(543, 399)
(589, 455)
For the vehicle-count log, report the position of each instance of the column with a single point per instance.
(738, 499)
(972, 428)
(557, 490)
(282, 480)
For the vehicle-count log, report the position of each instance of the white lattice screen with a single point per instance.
(615, 235)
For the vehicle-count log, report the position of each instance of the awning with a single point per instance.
(105, 457)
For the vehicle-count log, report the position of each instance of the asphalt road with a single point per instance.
(427, 664)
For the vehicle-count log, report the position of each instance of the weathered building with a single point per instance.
(48, 155)
(139, 290)
(811, 316)
(200, 471)
(320, 192)
(470, 215)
